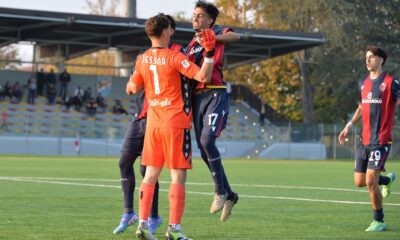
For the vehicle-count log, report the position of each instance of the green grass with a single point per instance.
(39, 208)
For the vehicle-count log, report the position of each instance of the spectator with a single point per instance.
(91, 107)
(31, 90)
(41, 82)
(51, 79)
(67, 102)
(16, 91)
(4, 123)
(261, 120)
(1, 93)
(118, 108)
(77, 99)
(78, 92)
(87, 94)
(7, 91)
(101, 102)
(64, 79)
(51, 93)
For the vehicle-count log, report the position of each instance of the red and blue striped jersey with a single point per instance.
(196, 54)
(378, 102)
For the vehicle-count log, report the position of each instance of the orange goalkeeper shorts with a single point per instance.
(171, 146)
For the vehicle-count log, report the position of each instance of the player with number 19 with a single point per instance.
(379, 93)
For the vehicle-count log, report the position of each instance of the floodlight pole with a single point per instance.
(129, 8)
(128, 11)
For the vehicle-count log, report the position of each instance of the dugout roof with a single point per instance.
(78, 34)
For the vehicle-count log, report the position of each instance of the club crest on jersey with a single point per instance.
(185, 63)
(382, 87)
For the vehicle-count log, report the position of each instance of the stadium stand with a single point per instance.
(243, 136)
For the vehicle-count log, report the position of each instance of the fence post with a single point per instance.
(59, 134)
(289, 138)
(334, 142)
(322, 138)
(27, 117)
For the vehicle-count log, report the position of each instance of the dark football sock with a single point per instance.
(127, 178)
(378, 215)
(214, 161)
(227, 186)
(383, 180)
(154, 205)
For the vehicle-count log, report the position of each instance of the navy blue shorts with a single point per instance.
(134, 136)
(210, 112)
(371, 157)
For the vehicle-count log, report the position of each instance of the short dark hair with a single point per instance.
(377, 51)
(171, 20)
(210, 8)
(154, 26)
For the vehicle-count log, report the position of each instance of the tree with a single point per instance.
(304, 16)
(329, 73)
(276, 81)
(341, 63)
(8, 53)
(279, 15)
(101, 7)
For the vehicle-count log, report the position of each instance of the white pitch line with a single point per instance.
(193, 192)
(56, 182)
(210, 184)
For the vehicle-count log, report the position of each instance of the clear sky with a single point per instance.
(144, 9)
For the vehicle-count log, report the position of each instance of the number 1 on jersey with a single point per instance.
(153, 68)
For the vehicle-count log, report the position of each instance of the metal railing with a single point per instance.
(29, 66)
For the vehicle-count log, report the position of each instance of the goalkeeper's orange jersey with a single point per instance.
(158, 70)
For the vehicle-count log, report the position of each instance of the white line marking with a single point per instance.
(56, 182)
(206, 184)
(193, 192)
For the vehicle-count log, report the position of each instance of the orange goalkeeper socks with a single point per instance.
(145, 199)
(177, 197)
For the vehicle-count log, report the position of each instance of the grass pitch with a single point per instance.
(80, 198)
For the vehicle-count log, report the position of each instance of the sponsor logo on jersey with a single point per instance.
(195, 50)
(185, 63)
(160, 103)
(369, 99)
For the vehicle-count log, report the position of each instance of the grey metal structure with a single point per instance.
(73, 35)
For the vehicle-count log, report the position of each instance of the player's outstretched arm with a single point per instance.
(208, 42)
(228, 37)
(349, 125)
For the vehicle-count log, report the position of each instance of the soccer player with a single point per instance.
(379, 92)
(132, 148)
(167, 137)
(211, 104)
